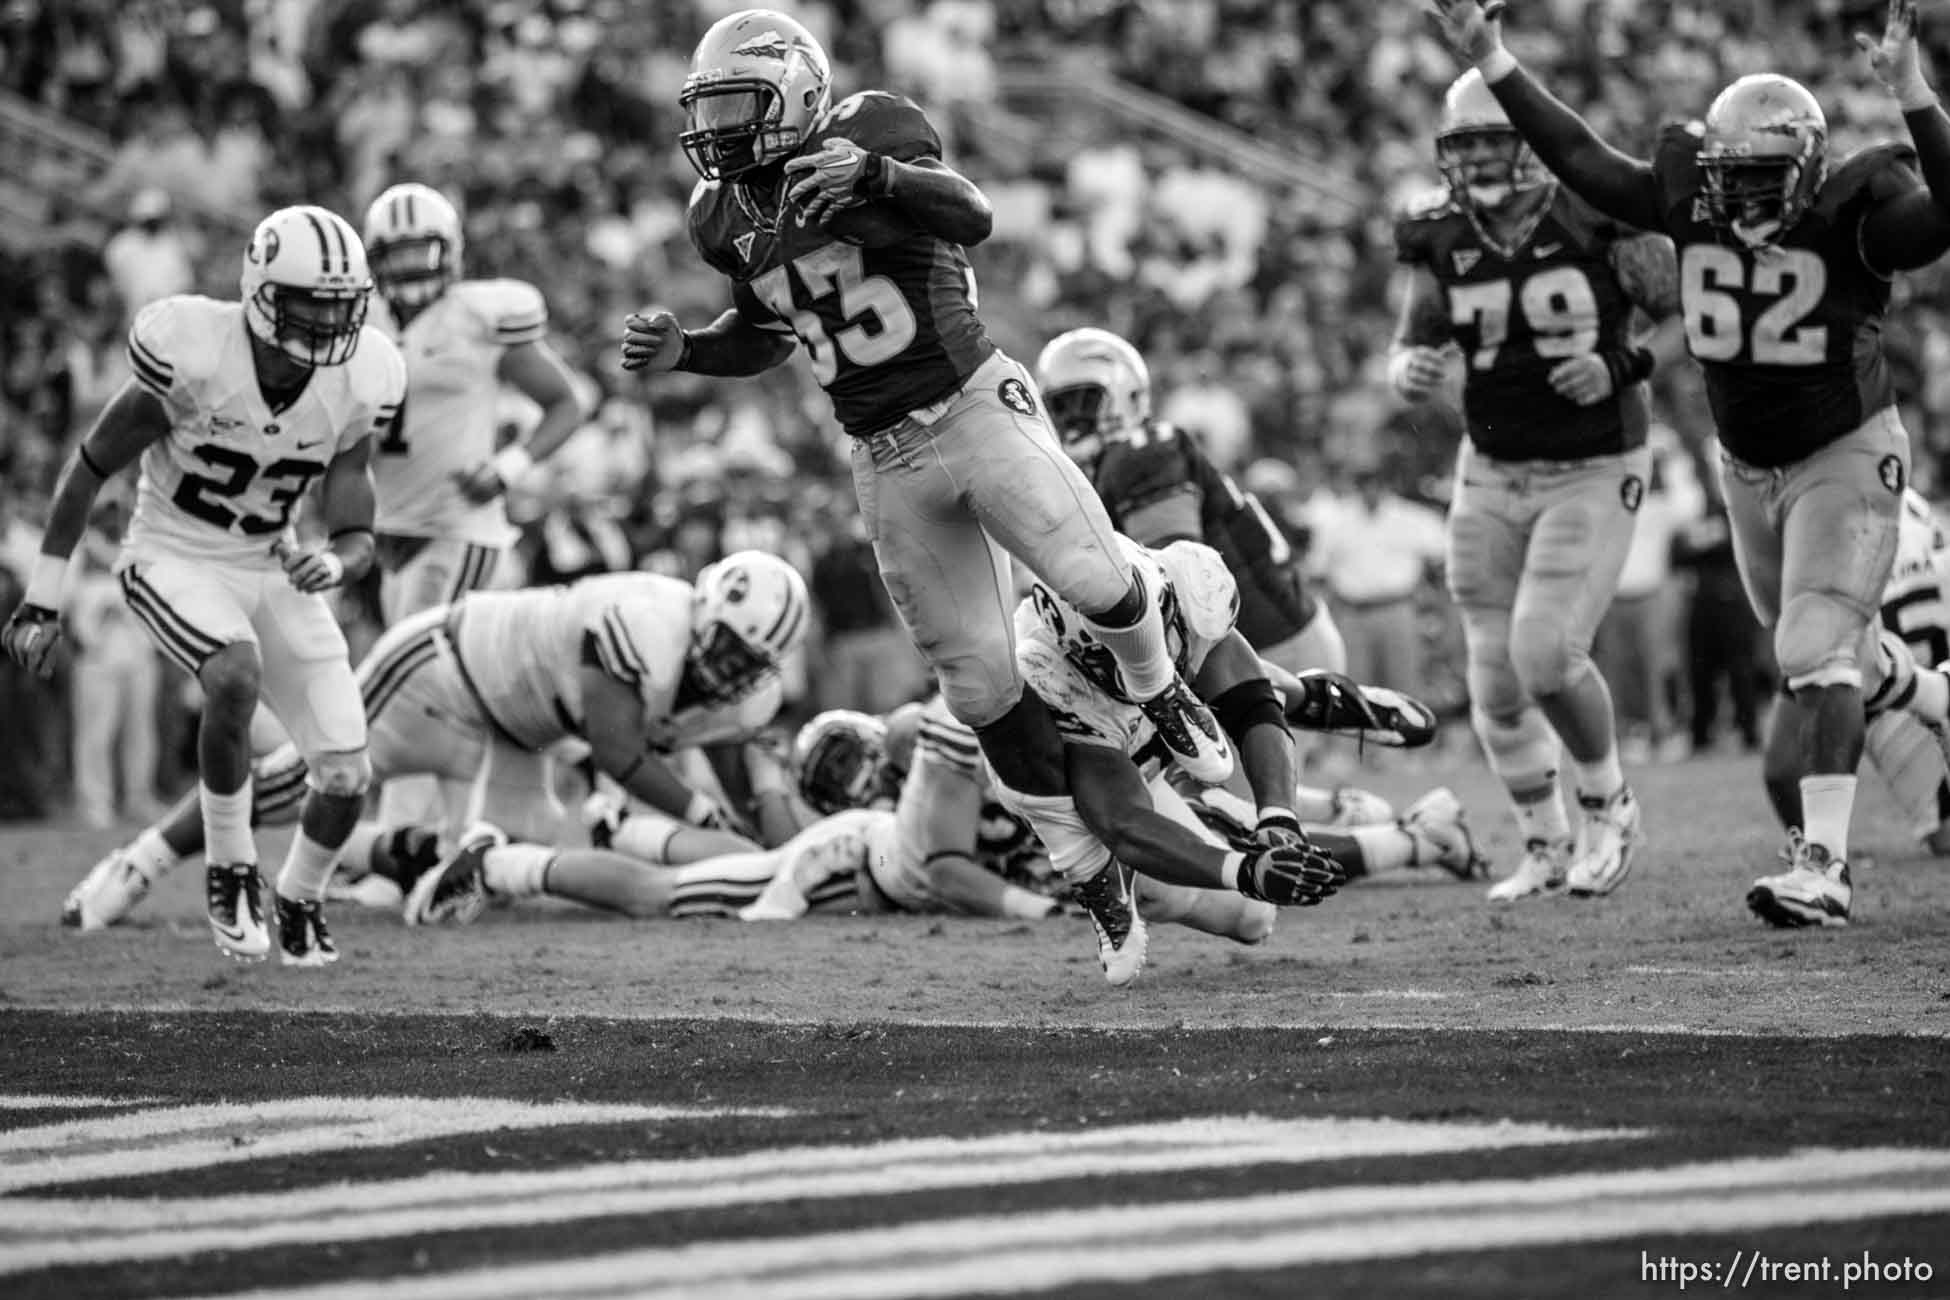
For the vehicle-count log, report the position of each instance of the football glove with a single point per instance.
(1290, 876)
(837, 176)
(1278, 829)
(31, 634)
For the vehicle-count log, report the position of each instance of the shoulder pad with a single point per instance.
(172, 336)
(879, 122)
(1680, 137)
(1416, 223)
(1432, 202)
(1882, 171)
(706, 220)
(377, 370)
(513, 310)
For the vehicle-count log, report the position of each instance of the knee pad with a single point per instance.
(1817, 641)
(1545, 656)
(341, 775)
(277, 787)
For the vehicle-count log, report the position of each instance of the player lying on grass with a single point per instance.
(627, 666)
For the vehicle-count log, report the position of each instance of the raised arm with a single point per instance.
(1912, 228)
(1618, 185)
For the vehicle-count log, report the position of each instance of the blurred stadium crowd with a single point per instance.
(1259, 292)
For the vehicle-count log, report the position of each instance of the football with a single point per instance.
(875, 223)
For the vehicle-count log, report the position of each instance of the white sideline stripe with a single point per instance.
(44, 1233)
(1405, 995)
(61, 1101)
(1090, 1017)
(1041, 1251)
(186, 1137)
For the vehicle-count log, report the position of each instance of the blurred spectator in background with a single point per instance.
(150, 257)
(1372, 551)
(115, 682)
(1723, 641)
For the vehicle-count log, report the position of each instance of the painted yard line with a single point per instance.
(42, 1233)
(1031, 1020)
(1404, 995)
(187, 1137)
(1031, 1252)
(61, 1101)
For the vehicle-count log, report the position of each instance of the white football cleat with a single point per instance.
(233, 896)
(1814, 890)
(1608, 839)
(107, 894)
(1541, 872)
(1111, 902)
(1437, 820)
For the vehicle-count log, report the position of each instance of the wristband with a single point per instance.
(44, 587)
(511, 463)
(1281, 816)
(1629, 366)
(1230, 867)
(683, 351)
(1496, 65)
(1916, 97)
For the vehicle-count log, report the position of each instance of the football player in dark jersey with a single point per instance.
(840, 227)
(1784, 280)
(1538, 293)
(1159, 486)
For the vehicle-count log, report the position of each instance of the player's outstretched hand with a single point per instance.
(652, 342)
(829, 180)
(1420, 372)
(311, 571)
(1294, 876)
(1279, 829)
(1473, 30)
(31, 634)
(1585, 380)
(1896, 59)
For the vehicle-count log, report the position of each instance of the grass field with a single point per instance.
(1404, 1092)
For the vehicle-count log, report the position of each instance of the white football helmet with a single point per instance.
(758, 80)
(1096, 387)
(413, 239)
(839, 757)
(748, 612)
(1092, 657)
(305, 285)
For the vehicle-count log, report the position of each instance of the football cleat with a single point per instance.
(233, 899)
(1334, 704)
(1607, 841)
(1814, 890)
(1357, 807)
(455, 892)
(1437, 820)
(1190, 732)
(303, 939)
(107, 894)
(1122, 940)
(1541, 872)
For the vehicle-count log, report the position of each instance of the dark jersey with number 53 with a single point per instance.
(1518, 314)
(1790, 336)
(1158, 486)
(887, 317)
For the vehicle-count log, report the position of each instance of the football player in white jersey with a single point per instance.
(442, 524)
(235, 408)
(630, 666)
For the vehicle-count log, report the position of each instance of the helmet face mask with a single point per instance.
(840, 756)
(413, 241)
(1489, 167)
(748, 613)
(723, 667)
(1097, 389)
(1763, 157)
(758, 81)
(305, 286)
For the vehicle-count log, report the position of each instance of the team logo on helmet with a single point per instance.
(265, 250)
(769, 45)
(1890, 470)
(737, 585)
(1015, 395)
(1631, 492)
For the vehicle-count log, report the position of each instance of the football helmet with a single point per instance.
(1092, 657)
(1097, 388)
(748, 612)
(413, 241)
(305, 285)
(1486, 163)
(1763, 156)
(757, 82)
(839, 756)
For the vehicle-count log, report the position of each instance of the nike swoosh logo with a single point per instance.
(313, 443)
(234, 935)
